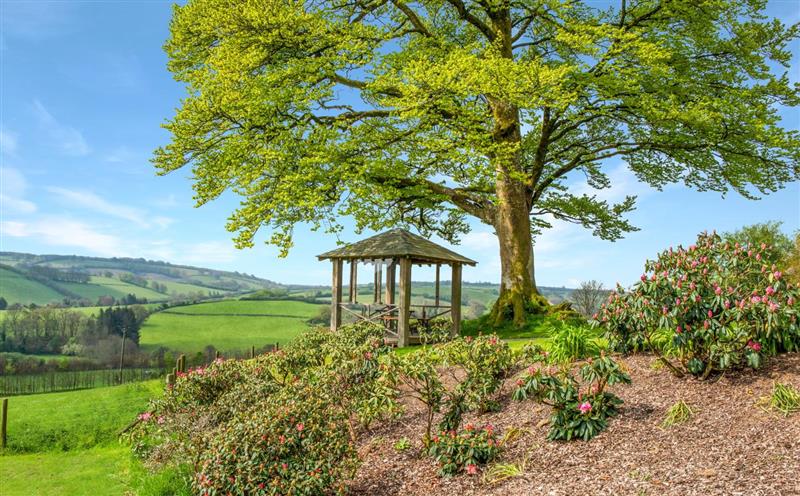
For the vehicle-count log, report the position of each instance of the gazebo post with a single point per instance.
(455, 299)
(378, 282)
(404, 310)
(353, 281)
(390, 278)
(438, 270)
(336, 294)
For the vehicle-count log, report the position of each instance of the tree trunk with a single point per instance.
(516, 255)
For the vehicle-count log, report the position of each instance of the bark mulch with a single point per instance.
(731, 445)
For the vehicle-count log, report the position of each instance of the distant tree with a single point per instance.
(3, 303)
(476, 309)
(793, 260)
(105, 301)
(488, 109)
(779, 244)
(588, 297)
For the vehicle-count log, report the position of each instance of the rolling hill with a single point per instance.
(41, 279)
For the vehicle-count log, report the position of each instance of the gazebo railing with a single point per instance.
(387, 314)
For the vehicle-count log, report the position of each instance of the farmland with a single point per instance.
(227, 325)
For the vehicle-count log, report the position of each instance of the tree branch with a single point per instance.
(472, 19)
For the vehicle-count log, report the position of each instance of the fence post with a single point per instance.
(219, 355)
(252, 352)
(4, 423)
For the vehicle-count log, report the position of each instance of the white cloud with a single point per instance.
(8, 142)
(12, 192)
(68, 139)
(60, 231)
(94, 202)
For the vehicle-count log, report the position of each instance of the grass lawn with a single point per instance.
(227, 325)
(75, 419)
(98, 472)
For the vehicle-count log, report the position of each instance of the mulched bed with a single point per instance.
(730, 446)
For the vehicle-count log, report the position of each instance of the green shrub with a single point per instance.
(572, 342)
(476, 369)
(464, 450)
(678, 413)
(580, 409)
(280, 423)
(720, 303)
(293, 443)
(785, 398)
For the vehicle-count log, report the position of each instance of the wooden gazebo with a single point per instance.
(389, 250)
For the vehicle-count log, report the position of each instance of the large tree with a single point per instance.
(424, 113)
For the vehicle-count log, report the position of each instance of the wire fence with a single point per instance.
(51, 382)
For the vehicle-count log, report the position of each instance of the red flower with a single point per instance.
(472, 469)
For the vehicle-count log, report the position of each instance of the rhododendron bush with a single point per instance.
(581, 408)
(282, 423)
(712, 306)
(464, 450)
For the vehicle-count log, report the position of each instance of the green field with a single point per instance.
(18, 289)
(124, 288)
(66, 443)
(97, 472)
(227, 325)
(183, 288)
(75, 419)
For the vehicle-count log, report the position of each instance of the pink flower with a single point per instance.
(160, 419)
(718, 290)
(710, 314)
(368, 355)
(706, 324)
(144, 417)
(585, 407)
(777, 274)
(643, 278)
(770, 290)
(727, 304)
(664, 310)
(754, 345)
(300, 427)
(469, 427)
(488, 428)
(756, 299)
(790, 301)
(284, 466)
(472, 469)
(679, 329)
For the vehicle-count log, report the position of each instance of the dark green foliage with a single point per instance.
(580, 408)
(464, 450)
(276, 424)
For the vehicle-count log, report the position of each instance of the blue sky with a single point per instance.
(84, 89)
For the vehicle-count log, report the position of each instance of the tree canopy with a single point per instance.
(424, 113)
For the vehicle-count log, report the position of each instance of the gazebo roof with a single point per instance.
(397, 243)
